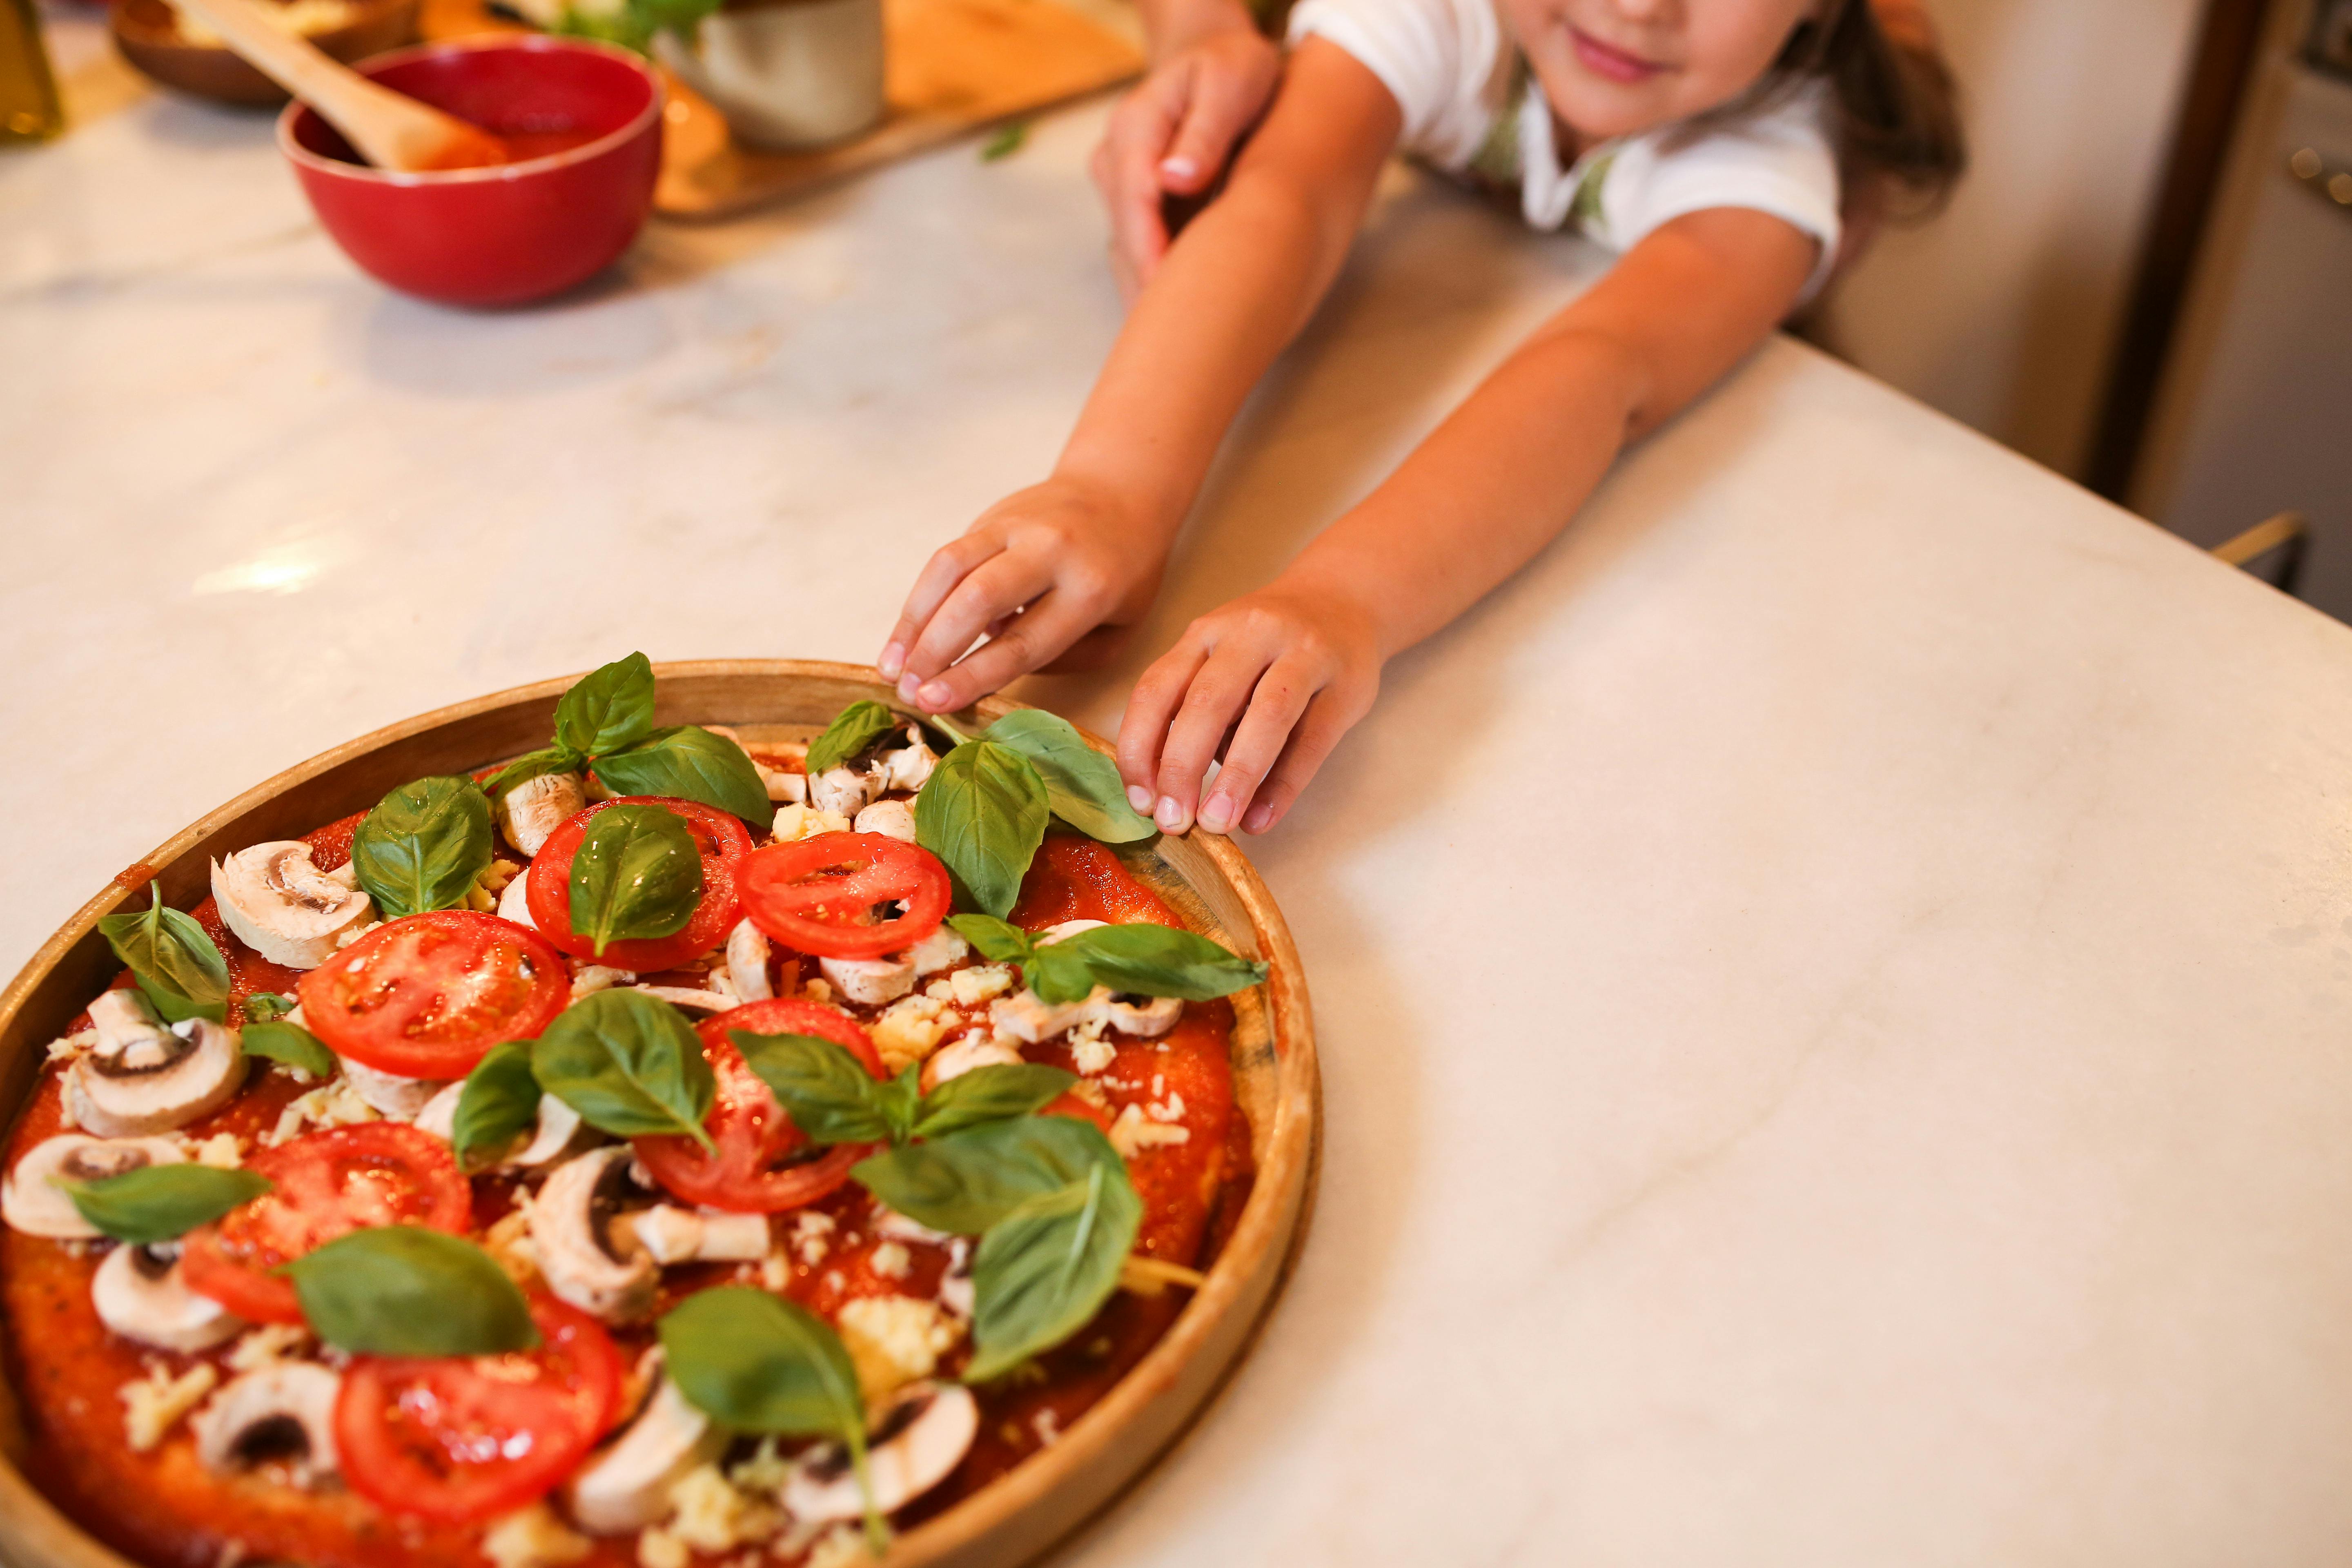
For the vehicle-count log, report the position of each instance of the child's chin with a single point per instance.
(1599, 109)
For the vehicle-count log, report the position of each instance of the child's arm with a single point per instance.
(1296, 663)
(1077, 559)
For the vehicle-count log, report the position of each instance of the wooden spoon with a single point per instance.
(391, 129)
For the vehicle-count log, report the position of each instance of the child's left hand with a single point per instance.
(1284, 672)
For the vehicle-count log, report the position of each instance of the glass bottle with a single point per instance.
(28, 91)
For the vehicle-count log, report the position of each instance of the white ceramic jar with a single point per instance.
(790, 74)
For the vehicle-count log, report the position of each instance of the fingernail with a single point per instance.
(1178, 168)
(1217, 817)
(906, 684)
(936, 696)
(1261, 818)
(1171, 816)
(893, 661)
(1138, 797)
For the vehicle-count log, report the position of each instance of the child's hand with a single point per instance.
(1056, 575)
(1284, 671)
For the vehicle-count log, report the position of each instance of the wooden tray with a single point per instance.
(1024, 1514)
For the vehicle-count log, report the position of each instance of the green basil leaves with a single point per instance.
(1046, 1269)
(175, 963)
(401, 1289)
(424, 847)
(1081, 784)
(694, 764)
(853, 730)
(832, 1099)
(1144, 959)
(267, 1006)
(289, 1043)
(607, 709)
(498, 1104)
(967, 1181)
(984, 814)
(158, 1203)
(636, 874)
(630, 1064)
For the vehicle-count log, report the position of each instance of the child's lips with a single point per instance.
(1606, 60)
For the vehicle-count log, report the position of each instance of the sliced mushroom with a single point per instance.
(397, 1097)
(872, 981)
(1029, 1017)
(1054, 933)
(673, 1235)
(921, 1436)
(283, 1414)
(538, 806)
(844, 791)
(626, 1486)
(588, 1260)
(974, 1050)
(1147, 1017)
(140, 1079)
(956, 1292)
(140, 1294)
(514, 901)
(791, 789)
(890, 819)
(691, 999)
(558, 1124)
(747, 962)
(34, 1204)
(943, 949)
(909, 766)
(590, 978)
(279, 902)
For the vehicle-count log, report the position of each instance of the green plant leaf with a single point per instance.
(157, 1202)
(424, 846)
(993, 1093)
(691, 764)
(1058, 972)
(636, 874)
(403, 1290)
(853, 730)
(531, 765)
(1042, 1272)
(178, 966)
(966, 1182)
(998, 942)
(826, 1091)
(607, 709)
(629, 1064)
(267, 1006)
(984, 814)
(1082, 784)
(1006, 142)
(1160, 961)
(289, 1043)
(498, 1104)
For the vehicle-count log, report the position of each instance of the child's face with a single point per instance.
(1614, 68)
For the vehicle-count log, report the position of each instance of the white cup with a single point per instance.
(797, 74)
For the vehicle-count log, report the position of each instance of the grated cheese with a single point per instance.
(910, 1029)
(153, 1405)
(1132, 1134)
(894, 1340)
(533, 1538)
(985, 983)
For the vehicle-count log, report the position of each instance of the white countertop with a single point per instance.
(1855, 1072)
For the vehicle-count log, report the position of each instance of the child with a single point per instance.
(1710, 141)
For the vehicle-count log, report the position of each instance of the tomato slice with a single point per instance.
(818, 895)
(428, 995)
(723, 842)
(458, 1438)
(324, 1185)
(763, 1164)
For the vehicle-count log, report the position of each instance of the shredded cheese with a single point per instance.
(1132, 1134)
(153, 1405)
(894, 1340)
(533, 1538)
(910, 1029)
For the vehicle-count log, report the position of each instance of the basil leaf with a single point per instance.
(424, 846)
(498, 1104)
(1042, 1272)
(853, 730)
(401, 1289)
(289, 1043)
(966, 1182)
(157, 1202)
(1161, 960)
(691, 764)
(175, 963)
(983, 813)
(608, 707)
(636, 874)
(993, 1093)
(827, 1093)
(1082, 784)
(1058, 972)
(531, 765)
(998, 942)
(629, 1064)
(267, 1006)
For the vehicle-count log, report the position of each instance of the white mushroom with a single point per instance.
(590, 978)
(673, 1235)
(558, 1123)
(974, 1050)
(34, 1204)
(842, 790)
(625, 1485)
(141, 1078)
(942, 948)
(791, 789)
(870, 980)
(909, 766)
(589, 1261)
(692, 999)
(514, 901)
(1147, 1017)
(747, 962)
(1029, 1017)
(890, 819)
(140, 1293)
(921, 1436)
(279, 902)
(283, 1414)
(1054, 933)
(538, 806)
(399, 1098)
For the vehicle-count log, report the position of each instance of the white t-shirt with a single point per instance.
(1468, 106)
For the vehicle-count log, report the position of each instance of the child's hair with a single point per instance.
(1895, 110)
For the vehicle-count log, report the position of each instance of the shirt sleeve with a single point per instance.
(1438, 58)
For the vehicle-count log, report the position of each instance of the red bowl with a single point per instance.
(513, 232)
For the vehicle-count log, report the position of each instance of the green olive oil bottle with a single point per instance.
(28, 91)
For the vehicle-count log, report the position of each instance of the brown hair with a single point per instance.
(1895, 109)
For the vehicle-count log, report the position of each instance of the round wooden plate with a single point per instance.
(1207, 879)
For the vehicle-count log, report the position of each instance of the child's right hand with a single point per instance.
(1056, 575)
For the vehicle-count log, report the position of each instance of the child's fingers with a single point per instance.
(1327, 718)
(1016, 646)
(947, 566)
(1217, 110)
(1000, 585)
(1257, 744)
(1219, 694)
(1143, 729)
(1129, 172)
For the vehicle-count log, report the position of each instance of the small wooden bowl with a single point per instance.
(145, 31)
(1020, 1515)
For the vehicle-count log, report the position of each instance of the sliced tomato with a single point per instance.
(763, 1164)
(459, 1438)
(428, 995)
(820, 895)
(323, 1185)
(723, 842)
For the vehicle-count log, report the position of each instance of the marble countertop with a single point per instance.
(1832, 985)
